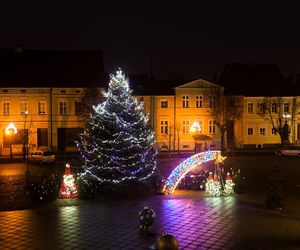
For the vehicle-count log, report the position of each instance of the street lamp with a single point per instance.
(10, 131)
(195, 129)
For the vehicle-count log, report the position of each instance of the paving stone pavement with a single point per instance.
(198, 222)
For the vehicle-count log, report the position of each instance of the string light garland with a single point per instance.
(118, 143)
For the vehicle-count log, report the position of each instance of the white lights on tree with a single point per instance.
(118, 144)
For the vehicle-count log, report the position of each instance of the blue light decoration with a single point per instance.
(189, 164)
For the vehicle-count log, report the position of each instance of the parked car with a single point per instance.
(41, 156)
(289, 151)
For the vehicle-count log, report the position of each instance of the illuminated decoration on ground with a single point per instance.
(216, 191)
(11, 127)
(68, 187)
(229, 185)
(209, 184)
(186, 166)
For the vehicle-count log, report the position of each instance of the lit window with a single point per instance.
(250, 131)
(185, 101)
(199, 100)
(6, 108)
(62, 108)
(185, 126)
(212, 101)
(250, 108)
(262, 131)
(164, 104)
(212, 127)
(42, 107)
(164, 127)
(23, 108)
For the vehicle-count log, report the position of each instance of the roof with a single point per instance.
(51, 68)
(251, 79)
(143, 85)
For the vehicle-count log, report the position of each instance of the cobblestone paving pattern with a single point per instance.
(196, 221)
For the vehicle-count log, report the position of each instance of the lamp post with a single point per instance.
(10, 131)
(25, 142)
(195, 129)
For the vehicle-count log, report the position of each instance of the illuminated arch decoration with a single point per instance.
(189, 164)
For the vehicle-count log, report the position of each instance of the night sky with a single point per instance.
(194, 38)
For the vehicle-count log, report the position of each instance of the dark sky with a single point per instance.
(195, 38)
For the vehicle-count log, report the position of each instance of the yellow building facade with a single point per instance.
(255, 130)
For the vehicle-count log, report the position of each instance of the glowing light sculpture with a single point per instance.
(229, 185)
(209, 184)
(186, 166)
(68, 187)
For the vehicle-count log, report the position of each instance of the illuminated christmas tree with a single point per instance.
(68, 187)
(117, 145)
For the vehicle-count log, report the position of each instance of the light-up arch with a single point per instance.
(189, 164)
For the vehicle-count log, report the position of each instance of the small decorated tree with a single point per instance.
(117, 146)
(68, 187)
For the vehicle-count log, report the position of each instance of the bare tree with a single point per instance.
(225, 110)
(91, 98)
(278, 110)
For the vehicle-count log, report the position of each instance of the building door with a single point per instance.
(42, 137)
(61, 139)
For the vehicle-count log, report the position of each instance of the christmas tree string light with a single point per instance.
(118, 144)
(68, 187)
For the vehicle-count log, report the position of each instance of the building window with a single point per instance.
(212, 127)
(23, 108)
(286, 107)
(78, 108)
(250, 131)
(262, 131)
(274, 132)
(6, 108)
(164, 127)
(212, 101)
(250, 108)
(62, 108)
(62, 91)
(262, 108)
(141, 99)
(185, 126)
(42, 107)
(164, 104)
(185, 101)
(274, 107)
(199, 101)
